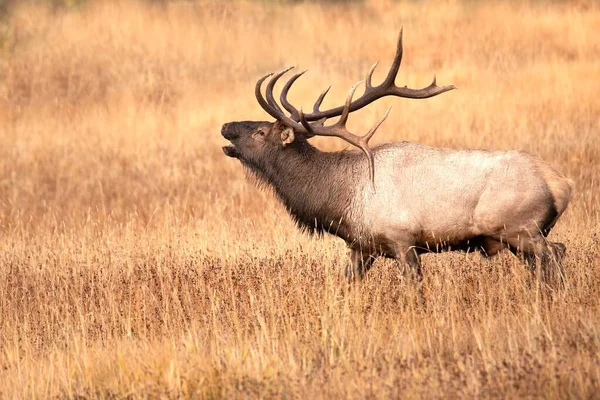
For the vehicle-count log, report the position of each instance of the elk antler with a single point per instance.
(301, 122)
(339, 130)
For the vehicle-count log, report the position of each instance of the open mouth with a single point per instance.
(230, 151)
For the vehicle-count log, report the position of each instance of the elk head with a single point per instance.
(250, 140)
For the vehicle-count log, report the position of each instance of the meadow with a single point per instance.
(137, 261)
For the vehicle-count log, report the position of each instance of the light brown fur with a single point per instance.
(426, 199)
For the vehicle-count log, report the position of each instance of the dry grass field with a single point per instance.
(136, 260)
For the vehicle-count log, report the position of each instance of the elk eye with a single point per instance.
(259, 132)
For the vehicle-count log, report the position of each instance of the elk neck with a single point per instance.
(317, 188)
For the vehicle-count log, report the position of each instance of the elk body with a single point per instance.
(403, 199)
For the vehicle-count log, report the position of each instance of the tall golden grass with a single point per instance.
(136, 260)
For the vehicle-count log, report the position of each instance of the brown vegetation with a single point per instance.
(137, 260)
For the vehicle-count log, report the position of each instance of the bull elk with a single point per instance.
(401, 199)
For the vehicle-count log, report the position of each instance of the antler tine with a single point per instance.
(269, 89)
(305, 123)
(370, 76)
(320, 100)
(371, 132)
(363, 144)
(261, 100)
(283, 97)
(432, 90)
(391, 76)
(346, 111)
(371, 159)
(367, 150)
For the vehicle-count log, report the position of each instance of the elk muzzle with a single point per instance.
(230, 134)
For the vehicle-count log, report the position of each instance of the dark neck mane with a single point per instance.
(316, 187)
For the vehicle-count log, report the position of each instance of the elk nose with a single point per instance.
(228, 132)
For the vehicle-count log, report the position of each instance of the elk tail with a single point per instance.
(561, 189)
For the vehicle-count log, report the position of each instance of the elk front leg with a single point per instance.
(360, 263)
(410, 262)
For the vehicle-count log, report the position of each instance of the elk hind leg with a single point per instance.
(541, 256)
(360, 263)
(552, 266)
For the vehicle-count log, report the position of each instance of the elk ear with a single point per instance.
(287, 136)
